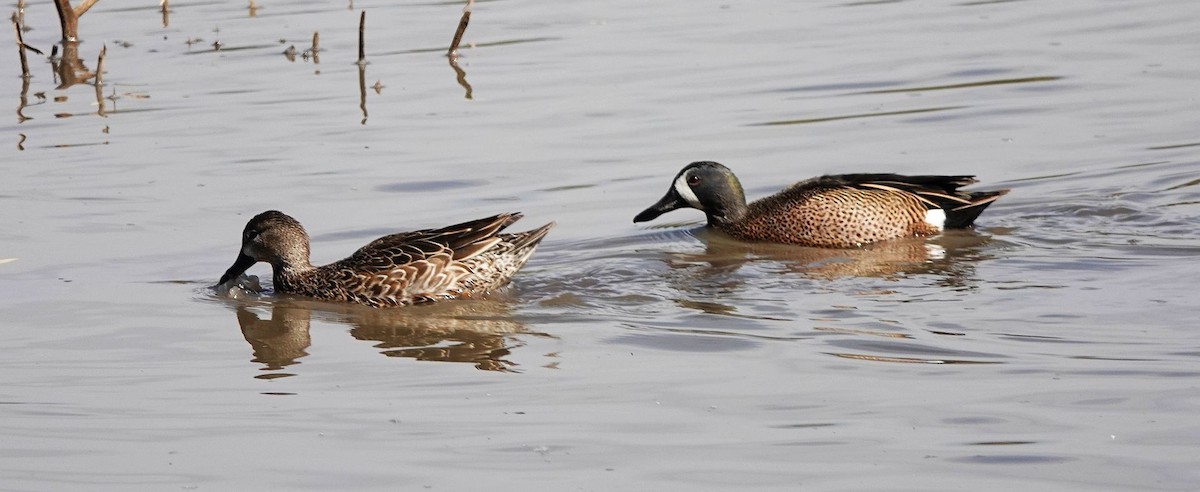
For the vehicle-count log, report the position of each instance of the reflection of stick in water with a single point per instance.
(462, 27)
(362, 90)
(100, 65)
(460, 75)
(24, 102)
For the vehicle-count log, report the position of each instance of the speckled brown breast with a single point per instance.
(832, 217)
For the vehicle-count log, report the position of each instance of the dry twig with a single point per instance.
(21, 46)
(462, 27)
(68, 18)
(362, 50)
(101, 110)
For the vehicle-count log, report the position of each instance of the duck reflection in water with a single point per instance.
(947, 259)
(949, 255)
(278, 341)
(479, 332)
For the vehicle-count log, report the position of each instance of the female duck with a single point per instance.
(457, 261)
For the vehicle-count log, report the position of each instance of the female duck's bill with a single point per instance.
(457, 261)
(240, 265)
(838, 211)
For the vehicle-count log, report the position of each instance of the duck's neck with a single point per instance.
(728, 212)
(289, 276)
(728, 206)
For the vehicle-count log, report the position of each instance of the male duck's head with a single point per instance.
(705, 186)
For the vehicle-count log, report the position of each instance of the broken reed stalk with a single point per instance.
(462, 27)
(362, 66)
(166, 9)
(21, 47)
(362, 50)
(316, 57)
(99, 82)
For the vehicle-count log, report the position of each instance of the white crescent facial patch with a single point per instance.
(685, 191)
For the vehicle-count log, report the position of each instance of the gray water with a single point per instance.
(1053, 348)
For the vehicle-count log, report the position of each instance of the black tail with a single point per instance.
(942, 192)
(960, 216)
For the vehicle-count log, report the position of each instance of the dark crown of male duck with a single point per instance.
(835, 211)
(457, 261)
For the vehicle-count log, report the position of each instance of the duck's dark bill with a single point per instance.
(670, 201)
(239, 267)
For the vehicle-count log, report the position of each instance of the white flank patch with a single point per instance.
(936, 217)
(685, 191)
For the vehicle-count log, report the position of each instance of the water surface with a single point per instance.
(1052, 348)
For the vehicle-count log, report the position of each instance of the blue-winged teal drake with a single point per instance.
(837, 211)
(457, 261)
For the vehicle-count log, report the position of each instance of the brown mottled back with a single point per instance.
(833, 217)
(452, 263)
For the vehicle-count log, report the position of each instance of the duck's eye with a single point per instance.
(693, 180)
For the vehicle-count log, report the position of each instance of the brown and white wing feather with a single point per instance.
(421, 265)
